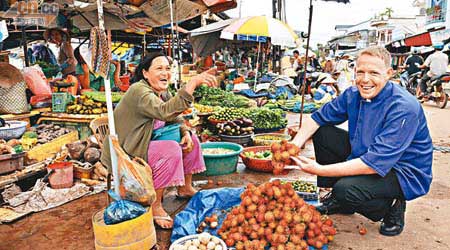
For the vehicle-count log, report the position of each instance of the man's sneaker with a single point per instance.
(394, 221)
(331, 206)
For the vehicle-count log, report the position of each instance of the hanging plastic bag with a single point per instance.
(121, 210)
(136, 180)
(36, 80)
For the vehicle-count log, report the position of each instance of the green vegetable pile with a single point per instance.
(259, 155)
(264, 118)
(218, 97)
(229, 114)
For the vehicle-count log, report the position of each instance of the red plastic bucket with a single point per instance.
(62, 176)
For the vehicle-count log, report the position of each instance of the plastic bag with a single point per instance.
(36, 80)
(121, 210)
(136, 179)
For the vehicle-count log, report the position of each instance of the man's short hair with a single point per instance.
(296, 52)
(379, 52)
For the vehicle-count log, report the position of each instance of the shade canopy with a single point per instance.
(258, 29)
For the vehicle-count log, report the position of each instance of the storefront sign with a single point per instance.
(32, 13)
(436, 13)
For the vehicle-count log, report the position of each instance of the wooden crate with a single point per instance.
(11, 162)
(50, 149)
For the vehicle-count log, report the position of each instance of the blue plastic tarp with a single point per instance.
(250, 93)
(203, 204)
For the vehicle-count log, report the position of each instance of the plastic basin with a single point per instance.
(262, 165)
(13, 130)
(221, 164)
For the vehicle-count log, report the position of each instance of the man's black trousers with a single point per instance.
(369, 195)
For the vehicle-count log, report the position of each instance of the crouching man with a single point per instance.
(385, 157)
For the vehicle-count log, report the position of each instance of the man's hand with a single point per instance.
(307, 165)
(186, 143)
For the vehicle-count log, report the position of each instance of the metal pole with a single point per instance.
(257, 65)
(305, 65)
(25, 47)
(111, 124)
(171, 27)
(178, 84)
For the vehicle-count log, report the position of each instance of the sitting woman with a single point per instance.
(89, 81)
(147, 106)
(325, 91)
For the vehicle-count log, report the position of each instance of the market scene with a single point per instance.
(224, 124)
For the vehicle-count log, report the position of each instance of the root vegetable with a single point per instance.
(101, 169)
(76, 149)
(92, 155)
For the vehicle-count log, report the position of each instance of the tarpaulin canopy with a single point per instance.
(136, 14)
(206, 40)
(423, 39)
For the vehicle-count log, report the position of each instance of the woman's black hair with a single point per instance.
(78, 56)
(145, 65)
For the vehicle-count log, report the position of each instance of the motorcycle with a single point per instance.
(436, 91)
(411, 82)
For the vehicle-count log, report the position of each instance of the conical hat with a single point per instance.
(9, 75)
(65, 35)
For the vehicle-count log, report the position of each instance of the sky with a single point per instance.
(326, 15)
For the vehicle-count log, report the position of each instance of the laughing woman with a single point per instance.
(148, 106)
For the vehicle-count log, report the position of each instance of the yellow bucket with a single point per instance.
(135, 234)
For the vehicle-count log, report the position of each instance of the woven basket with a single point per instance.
(243, 140)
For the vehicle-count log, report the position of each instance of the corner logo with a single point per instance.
(32, 13)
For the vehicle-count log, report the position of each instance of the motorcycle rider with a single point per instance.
(410, 64)
(437, 62)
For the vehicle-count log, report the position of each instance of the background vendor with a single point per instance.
(90, 81)
(66, 58)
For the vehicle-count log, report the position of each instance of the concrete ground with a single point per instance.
(427, 218)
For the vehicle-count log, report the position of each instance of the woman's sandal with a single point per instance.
(183, 197)
(166, 218)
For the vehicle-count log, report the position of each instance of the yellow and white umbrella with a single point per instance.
(258, 29)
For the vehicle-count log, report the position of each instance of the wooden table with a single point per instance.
(74, 121)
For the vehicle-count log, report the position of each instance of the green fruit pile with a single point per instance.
(229, 114)
(259, 155)
(304, 186)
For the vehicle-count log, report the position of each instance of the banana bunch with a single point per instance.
(86, 106)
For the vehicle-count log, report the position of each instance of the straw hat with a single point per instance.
(9, 75)
(63, 33)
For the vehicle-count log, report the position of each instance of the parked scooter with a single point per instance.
(436, 92)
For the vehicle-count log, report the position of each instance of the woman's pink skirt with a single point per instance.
(169, 164)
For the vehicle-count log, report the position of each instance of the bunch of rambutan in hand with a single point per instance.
(273, 215)
(281, 155)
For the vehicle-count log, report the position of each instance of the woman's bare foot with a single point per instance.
(161, 218)
(186, 191)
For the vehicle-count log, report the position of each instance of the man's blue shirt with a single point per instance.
(389, 131)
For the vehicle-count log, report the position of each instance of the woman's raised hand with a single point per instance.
(208, 78)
